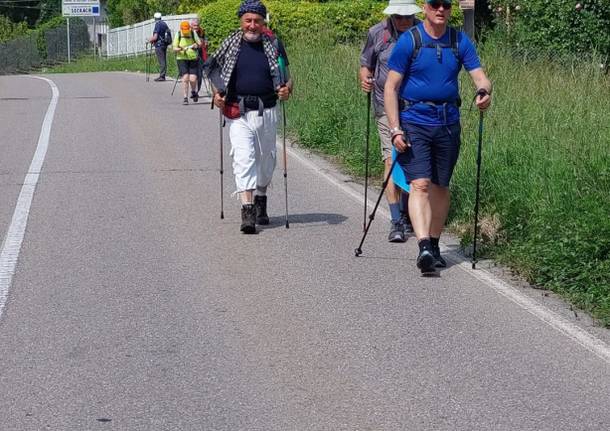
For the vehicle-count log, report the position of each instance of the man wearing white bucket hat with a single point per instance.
(373, 73)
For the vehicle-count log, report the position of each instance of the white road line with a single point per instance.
(16, 231)
(559, 323)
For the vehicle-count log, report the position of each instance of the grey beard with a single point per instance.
(250, 37)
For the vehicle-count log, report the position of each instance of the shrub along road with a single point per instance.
(134, 306)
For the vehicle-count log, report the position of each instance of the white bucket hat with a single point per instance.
(402, 7)
(157, 15)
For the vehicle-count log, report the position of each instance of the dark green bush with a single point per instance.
(557, 26)
(347, 20)
(10, 30)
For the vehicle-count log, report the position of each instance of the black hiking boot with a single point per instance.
(159, 79)
(440, 262)
(248, 219)
(194, 96)
(185, 101)
(260, 202)
(426, 260)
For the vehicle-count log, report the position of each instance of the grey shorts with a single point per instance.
(384, 136)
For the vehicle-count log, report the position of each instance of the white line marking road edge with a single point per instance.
(11, 245)
(571, 330)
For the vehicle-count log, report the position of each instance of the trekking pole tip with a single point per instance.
(358, 252)
(287, 225)
(222, 215)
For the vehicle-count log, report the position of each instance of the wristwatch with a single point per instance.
(396, 131)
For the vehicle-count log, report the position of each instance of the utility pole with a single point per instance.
(68, 31)
(467, 7)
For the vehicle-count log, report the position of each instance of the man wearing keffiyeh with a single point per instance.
(248, 79)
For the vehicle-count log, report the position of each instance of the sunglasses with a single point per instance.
(437, 4)
(403, 16)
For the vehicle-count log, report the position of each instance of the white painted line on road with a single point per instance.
(582, 337)
(571, 330)
(16, 231)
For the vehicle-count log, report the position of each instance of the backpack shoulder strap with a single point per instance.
(455, 44)
(417, 41)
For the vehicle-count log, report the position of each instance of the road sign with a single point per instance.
(467, 4)
(80, 8)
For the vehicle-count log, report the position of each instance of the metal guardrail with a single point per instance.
(131, 39)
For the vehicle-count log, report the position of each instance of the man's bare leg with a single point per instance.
(392, 193)
(439, 201)
(421, 218)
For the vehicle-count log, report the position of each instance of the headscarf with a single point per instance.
(252, 6)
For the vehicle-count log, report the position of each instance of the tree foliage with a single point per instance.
(559, 26)
(125, 12)
(10, 30)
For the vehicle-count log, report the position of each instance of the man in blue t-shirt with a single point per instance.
(158, 39)
(426, 131)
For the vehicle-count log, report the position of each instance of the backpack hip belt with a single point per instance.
(405, 104)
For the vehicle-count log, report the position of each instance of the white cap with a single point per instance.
(157, 15)
(402, 7)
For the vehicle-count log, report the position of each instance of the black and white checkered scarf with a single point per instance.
(219, 67)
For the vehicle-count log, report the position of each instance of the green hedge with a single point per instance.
(557, 26)
(347, 20)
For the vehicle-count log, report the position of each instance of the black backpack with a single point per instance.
(167, 39)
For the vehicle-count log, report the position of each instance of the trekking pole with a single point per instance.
(147, 63)
(358, 251)
(476, 201)
(222, 200)
(285, 160)
(366, 158)
(175, 83)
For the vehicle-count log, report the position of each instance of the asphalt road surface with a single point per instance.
(134, 307)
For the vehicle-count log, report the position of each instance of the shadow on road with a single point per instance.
(304, 219)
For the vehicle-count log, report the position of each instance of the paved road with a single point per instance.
(134, 307)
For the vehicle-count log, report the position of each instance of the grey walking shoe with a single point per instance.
(260, 202)
(406, 223)
(248, 219)
(397, 232)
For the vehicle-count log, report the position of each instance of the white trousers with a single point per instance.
(253, 148)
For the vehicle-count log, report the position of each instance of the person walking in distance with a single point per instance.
(248, 81)
(160, 40)
(186, 46)
(380, 42)
(422, 103)
(202, 53)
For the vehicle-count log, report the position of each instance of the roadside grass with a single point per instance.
(546, 163)
(132, 64)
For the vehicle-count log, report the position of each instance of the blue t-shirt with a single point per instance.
(428, 78)
(160, 29)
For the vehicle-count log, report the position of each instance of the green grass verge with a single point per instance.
(546, 164)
